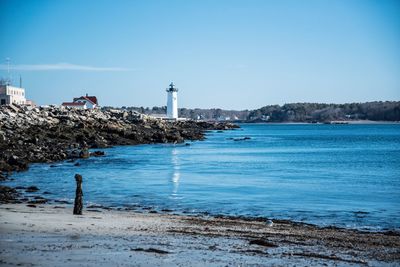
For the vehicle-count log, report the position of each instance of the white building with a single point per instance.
(78, 105)
(172, 102)
(82, 102)
(11, 95)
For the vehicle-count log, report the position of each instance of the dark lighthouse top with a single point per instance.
(172, 88)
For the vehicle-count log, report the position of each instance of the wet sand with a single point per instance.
(50, 235)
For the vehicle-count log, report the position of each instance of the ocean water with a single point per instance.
(342, 175)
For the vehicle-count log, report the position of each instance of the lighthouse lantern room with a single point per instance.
(172, 102)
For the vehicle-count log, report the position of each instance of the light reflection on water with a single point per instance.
(346, 175)
(175, 173)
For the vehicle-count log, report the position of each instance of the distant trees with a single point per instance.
(293, 112)
(309, 112)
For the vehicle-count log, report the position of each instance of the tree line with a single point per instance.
(317, 112)
(293, 112)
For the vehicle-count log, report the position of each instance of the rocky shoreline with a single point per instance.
(50, 134)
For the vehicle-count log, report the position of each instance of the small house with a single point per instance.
(83, 102)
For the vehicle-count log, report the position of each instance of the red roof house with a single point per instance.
(82, 102)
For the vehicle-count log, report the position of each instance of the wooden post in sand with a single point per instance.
(78, 205)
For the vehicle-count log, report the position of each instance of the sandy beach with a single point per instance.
(50, 235)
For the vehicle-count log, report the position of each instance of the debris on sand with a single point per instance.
(263, 243)
(153, 250)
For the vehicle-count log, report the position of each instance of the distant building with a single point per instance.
(223, 118)
(11, 94)
(265, 117)
(159, 116)
(30, 103)
(83, 102)
(79, 105)
(172, 102)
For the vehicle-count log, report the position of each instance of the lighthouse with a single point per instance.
(172, 102)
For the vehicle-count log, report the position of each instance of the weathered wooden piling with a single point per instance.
(78, 205)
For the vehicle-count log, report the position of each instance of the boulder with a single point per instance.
(8, 194)
(84, 153)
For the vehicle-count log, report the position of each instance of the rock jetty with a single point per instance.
(49, 134)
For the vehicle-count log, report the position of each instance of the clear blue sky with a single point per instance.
(228, 54)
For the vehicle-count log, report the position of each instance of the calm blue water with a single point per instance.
(344, 175)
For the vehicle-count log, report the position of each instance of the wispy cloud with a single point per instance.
(61, 66)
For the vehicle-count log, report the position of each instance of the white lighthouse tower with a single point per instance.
(172, 102)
